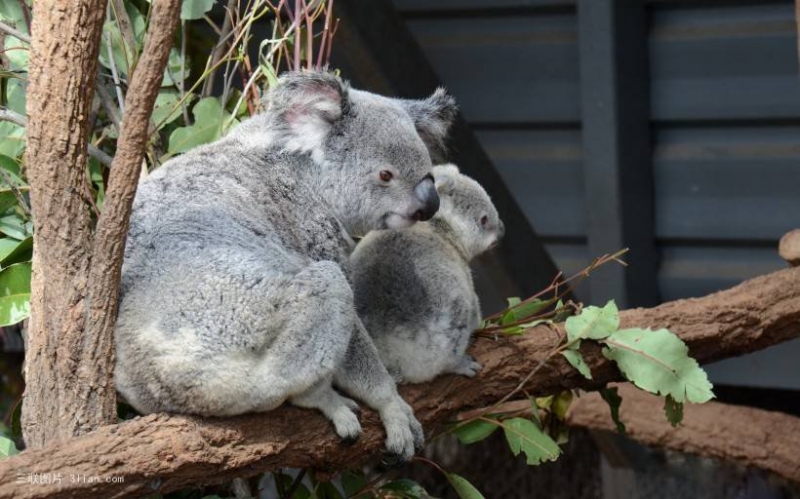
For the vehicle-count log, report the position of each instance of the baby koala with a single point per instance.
(413, 287)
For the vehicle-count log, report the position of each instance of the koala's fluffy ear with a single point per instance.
(433, 117)
(445, 177)
(307, 104)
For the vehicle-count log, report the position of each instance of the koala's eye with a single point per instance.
(386, 175)
(484, 220)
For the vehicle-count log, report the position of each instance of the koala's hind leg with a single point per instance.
(340, 410)
(363, 376)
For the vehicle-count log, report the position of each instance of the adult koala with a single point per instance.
(233, 296)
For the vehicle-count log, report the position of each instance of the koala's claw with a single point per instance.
(468, 366)
(392, 460)
(350, 440)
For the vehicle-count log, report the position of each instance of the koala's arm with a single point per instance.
(363, 375)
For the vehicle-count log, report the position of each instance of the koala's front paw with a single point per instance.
(467, 366)
(346, 423)
(403, 432)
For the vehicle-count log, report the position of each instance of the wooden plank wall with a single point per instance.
(724, 124)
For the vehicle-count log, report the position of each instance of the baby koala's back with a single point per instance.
(413, 287)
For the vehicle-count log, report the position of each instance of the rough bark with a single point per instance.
(69, 357)
(752, 437)
(163, 453)
(97, 358)
(64, 49)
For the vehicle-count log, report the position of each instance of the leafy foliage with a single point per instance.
(523, 435)
(7, 447)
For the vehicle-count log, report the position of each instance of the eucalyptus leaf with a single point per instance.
(209, 120)
(11, 13)
(195, 9)
(7, 447)
(612, 398)
(673, 410)
(524, 436)
(575, 359)
(408, 488)
(15, 293)
(12, 139)
(474, 431)
(17, 53)
(166, 109)
(15, 96)
(13, 251)
(561, 404)
(593, 323)
(463, 488)
(11, 167)
(14, 226)
(658, 361)
(352, 482)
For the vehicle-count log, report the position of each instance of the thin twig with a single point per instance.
(124, 25)
(219, 48)
(296, 483)
(181, 87)
(108, 103)
(113, 64)
(18, 119)
(15, 32)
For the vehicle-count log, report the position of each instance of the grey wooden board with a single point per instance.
(727, 183)
(688, 271)
(730, 62)
(543, 171)
(508, 69)
(454, 5)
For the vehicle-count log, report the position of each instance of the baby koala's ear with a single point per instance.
(308, 103)
(444, 177)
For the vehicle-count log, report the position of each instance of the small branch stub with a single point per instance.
(789, 247)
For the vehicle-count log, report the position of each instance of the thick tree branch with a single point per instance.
(752, 437)
(97, 359)
(63, 57)
(162, 453)
(69, 355)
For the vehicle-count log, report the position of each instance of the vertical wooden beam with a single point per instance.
(618, 168)
(374, 48)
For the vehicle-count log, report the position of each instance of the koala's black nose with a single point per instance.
(425, 192)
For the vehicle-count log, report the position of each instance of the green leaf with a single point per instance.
(11, 166)
(17, 52)
(474, 431)
(13, 251)
(14, 226)
(7, 199)
(612, 398)
(122, 53)
(166, 109)
(15, 96)
(15, 293)
(674, 410)
(561, 404)
(12, 139)
(524, 436)
(195, 9)
(463, 488)
(209, 119)
(352, 482)
(172, 72)
(593, 323)
(7, 447)
(324, 491)
(659, 362)
(575, 359)
(11, 12)
(408, 488)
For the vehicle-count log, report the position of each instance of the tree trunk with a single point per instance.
(160, 453)
(70, 352)
(63, 67)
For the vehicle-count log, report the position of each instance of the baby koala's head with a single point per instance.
(468, 210)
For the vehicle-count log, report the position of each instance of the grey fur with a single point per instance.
(414, 289)
(234, 297)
